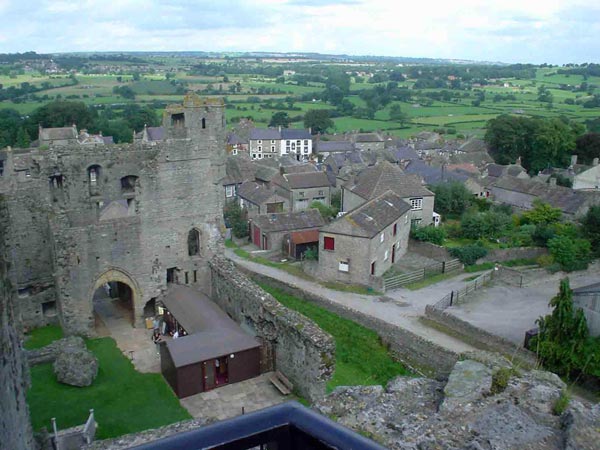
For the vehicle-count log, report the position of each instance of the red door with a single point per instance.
(256, 237)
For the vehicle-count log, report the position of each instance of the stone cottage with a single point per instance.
(365, 242)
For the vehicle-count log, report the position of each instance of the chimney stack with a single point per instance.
(573, 160)
(552, 181)
(595, 162)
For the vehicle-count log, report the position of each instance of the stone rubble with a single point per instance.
(463, 413)
(75, 365)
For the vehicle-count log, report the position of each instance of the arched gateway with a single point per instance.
(118, 284)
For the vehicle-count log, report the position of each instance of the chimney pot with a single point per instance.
(573, 160)
(595, 162)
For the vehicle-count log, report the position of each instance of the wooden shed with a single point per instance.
(215, 352)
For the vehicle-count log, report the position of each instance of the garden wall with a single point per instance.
(508, 254)
(429, 250)
(415, 352)
(480, 337)
(292, 343)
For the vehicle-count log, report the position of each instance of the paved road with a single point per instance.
(400, 307)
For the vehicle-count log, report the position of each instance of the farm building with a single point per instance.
(267, 231)
(296, 243)
(215, 351)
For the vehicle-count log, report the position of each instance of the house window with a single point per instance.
(329, 243)
(253, 155)
(344, 266)
(373, 268)
(321, 192)
(395, 231)
(272, 141)
(187, 278)
(260, 148)
(301, 194)
(1, 168)
(272, 148)
(415, 223)
(193, 242)
(381, 237)
(259, 141)
(416, 203)
(230, 190)
(406, 219)
(195, 276)
(234, 151)
(306, 142)
(203, 127)
(386, 255)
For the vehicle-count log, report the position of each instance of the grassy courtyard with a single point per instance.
(360, 357)
(124, 400)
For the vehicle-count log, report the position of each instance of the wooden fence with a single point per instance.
(458, 296)
(396, 281)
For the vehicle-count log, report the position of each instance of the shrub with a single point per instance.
(545, 260)
(468, 254)
(561, 403)
(435, 235)
(312, 253)
(571, 254)
(500, 380)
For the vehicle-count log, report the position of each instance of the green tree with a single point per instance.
(280, 118)
(588, 147)
(397, 115)
(236, 218)
(318, 120)
(327, 212)
(562, 335)
(23, 139)
(61, 114)
(541, 214)
(591, 228)
(451, 198)
(137, 116)
(10, 122)
(570, 253)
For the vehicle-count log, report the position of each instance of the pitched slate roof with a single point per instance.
(264, 134)
(334, 146)
(371, 218)
(238, 169)
(368, 137)
(155, 133)
(309, 218)
(432, 174)
(589, 289)
(567, 199)
(257, 193)
(302, 180)
(265, 173)
(300, 168)
(58, 134)
(294, 133)
(374, 181)
(234, 139)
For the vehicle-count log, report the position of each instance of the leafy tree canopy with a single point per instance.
(318, 120)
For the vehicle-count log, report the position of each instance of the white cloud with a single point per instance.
(512, 30)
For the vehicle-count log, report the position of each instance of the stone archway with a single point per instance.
(115, 275)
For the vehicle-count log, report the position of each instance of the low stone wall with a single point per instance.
(49, 352)
(507, 254)
(415, 352)
(481, 338)
(292, 344)
(429, 250)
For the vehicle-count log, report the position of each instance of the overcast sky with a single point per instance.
(537, 31)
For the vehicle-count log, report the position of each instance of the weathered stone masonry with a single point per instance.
(83, 215)
(292, 343)
(15, 430)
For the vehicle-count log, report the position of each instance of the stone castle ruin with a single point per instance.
(133, 216)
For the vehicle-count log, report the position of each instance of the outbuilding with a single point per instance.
(215, 352)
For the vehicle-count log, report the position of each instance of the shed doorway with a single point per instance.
(215, 372)
(113, 304)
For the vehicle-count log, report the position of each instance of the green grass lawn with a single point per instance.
(124, 400)
(360, 358)
(41, 337)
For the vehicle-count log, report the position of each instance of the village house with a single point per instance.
(267, 231)
(370, 142)
(259, 199)
(374, 181)
(238, 169)
(150, 135)
(272, 143)
(588, 299)
(365, 242)
(588, 179)
(236, 145)
(521, 193)
(301, 189)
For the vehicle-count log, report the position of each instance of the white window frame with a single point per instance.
(260, 141)
(386, 255)
(381, 237)
(230, 190)
(416, 204)
(344, 266)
